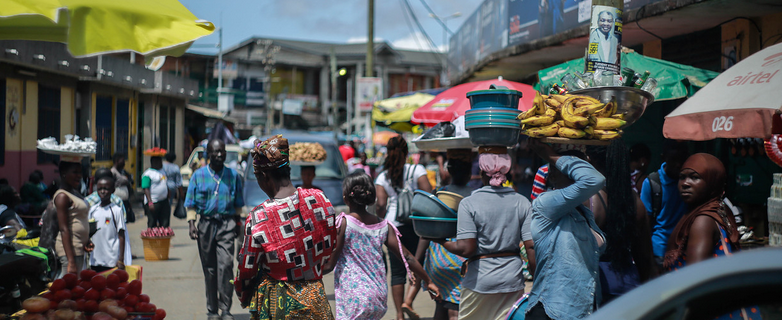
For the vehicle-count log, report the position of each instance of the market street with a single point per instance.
(177, 285)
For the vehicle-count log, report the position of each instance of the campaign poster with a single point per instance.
(605, 40)
(522, 21)
(368, 91)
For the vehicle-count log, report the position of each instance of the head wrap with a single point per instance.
(495, 166)
(270, 154)
(712, 171)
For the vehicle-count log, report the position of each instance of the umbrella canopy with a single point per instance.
(452, 103)
(395, 113)
(674, 80)
(739, 103)
(92, 27)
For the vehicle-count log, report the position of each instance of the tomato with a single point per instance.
(98, 282)
(91, 306)
(112, 281)
(58, 285)
(77, 292)
(61, 295)
(134, 287)
(86, 275)
(70, 280)
(143, 298)
(80, 304)
(121, 293)
(92, 294)
(48, 296)
(107, 294)
(151, 307)
(122, 274)
(131, 300)
(142, 307)
(160, 314)
(85, 284)
(130, 309)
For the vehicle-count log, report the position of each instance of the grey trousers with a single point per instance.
(216, 247)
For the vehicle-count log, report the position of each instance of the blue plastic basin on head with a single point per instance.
(507, 116)
(434, 227)
(494, 98)
(496, 135)
(426, 204)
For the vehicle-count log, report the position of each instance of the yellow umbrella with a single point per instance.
(395, 113)
(92, 27)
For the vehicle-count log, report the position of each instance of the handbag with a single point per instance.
(122, 192)
(404, 199)
(180, 211)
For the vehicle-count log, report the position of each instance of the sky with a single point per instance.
(338, 21)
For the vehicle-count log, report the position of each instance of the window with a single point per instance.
(163, 126)
(103, 127)
(122, 127)
(48, 119)
(2, 122)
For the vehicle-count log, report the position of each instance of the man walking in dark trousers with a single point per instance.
(215, 194)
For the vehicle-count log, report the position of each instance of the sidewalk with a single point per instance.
(177, 285)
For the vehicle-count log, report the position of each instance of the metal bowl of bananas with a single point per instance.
(592, 114)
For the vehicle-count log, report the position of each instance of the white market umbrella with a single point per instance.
(739, 103)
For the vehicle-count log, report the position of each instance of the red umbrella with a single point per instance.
(452, 103)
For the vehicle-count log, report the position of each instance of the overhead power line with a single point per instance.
(436, 17)
(410, 26)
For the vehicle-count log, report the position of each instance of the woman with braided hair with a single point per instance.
(360, 279)
(397, 176)
(288, 239)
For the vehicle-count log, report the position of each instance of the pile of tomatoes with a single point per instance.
(91, 296)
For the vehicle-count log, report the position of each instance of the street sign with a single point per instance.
(368, 91)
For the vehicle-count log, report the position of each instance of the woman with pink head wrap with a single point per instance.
(495, 163)
(492, 222)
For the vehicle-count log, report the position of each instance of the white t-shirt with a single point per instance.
(382, 180)
(156, 182)
(106, 239)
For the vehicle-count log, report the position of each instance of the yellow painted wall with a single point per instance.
(14, 98)
(67, 112)
(29, 117)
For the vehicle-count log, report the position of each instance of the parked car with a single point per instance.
(706, 290)
(199, 157)
(328, 175)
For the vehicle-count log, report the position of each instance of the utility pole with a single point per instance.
(333, 118)
(220, 63)
(370, 38)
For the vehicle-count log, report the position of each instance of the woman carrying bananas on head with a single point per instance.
(572, 117)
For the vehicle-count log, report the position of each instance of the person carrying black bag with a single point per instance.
(392, 186)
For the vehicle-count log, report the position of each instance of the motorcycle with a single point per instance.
(24, 272)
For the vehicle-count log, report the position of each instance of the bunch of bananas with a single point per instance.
(571, 116)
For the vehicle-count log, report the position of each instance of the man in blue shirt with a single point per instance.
(215, 194)
(664, 216)
(568, 242)
(173, 178)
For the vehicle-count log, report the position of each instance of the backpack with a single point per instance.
(50, 227)
(404, 198)
(657, 193)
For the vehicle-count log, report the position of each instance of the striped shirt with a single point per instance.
(208, 197)
(539, 184)
(444, 268)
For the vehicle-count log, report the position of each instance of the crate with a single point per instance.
(156, 249)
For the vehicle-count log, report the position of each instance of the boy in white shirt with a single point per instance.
(153, 182)
(109, 240)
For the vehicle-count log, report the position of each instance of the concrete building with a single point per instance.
(301, 70)
(124, 107)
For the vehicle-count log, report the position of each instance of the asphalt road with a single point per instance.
(177, 284)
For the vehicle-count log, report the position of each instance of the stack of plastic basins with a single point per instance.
(491, 119)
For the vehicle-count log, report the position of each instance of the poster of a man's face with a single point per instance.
(605, 22)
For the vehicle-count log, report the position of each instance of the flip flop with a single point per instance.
(411, 313)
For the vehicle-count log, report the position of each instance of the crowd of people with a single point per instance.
(593, 227)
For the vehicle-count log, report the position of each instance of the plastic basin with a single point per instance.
(492, 111)
(434, 227)
(450, 199)
(426, 204)
(495, 136)
(472, 117)
(631, 102)
(494, 98)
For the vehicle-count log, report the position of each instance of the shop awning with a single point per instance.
(675, 80)
(395, 113)
(209, 113)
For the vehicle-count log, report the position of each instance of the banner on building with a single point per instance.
(368, 91)
(292, 106)
(230, 70)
